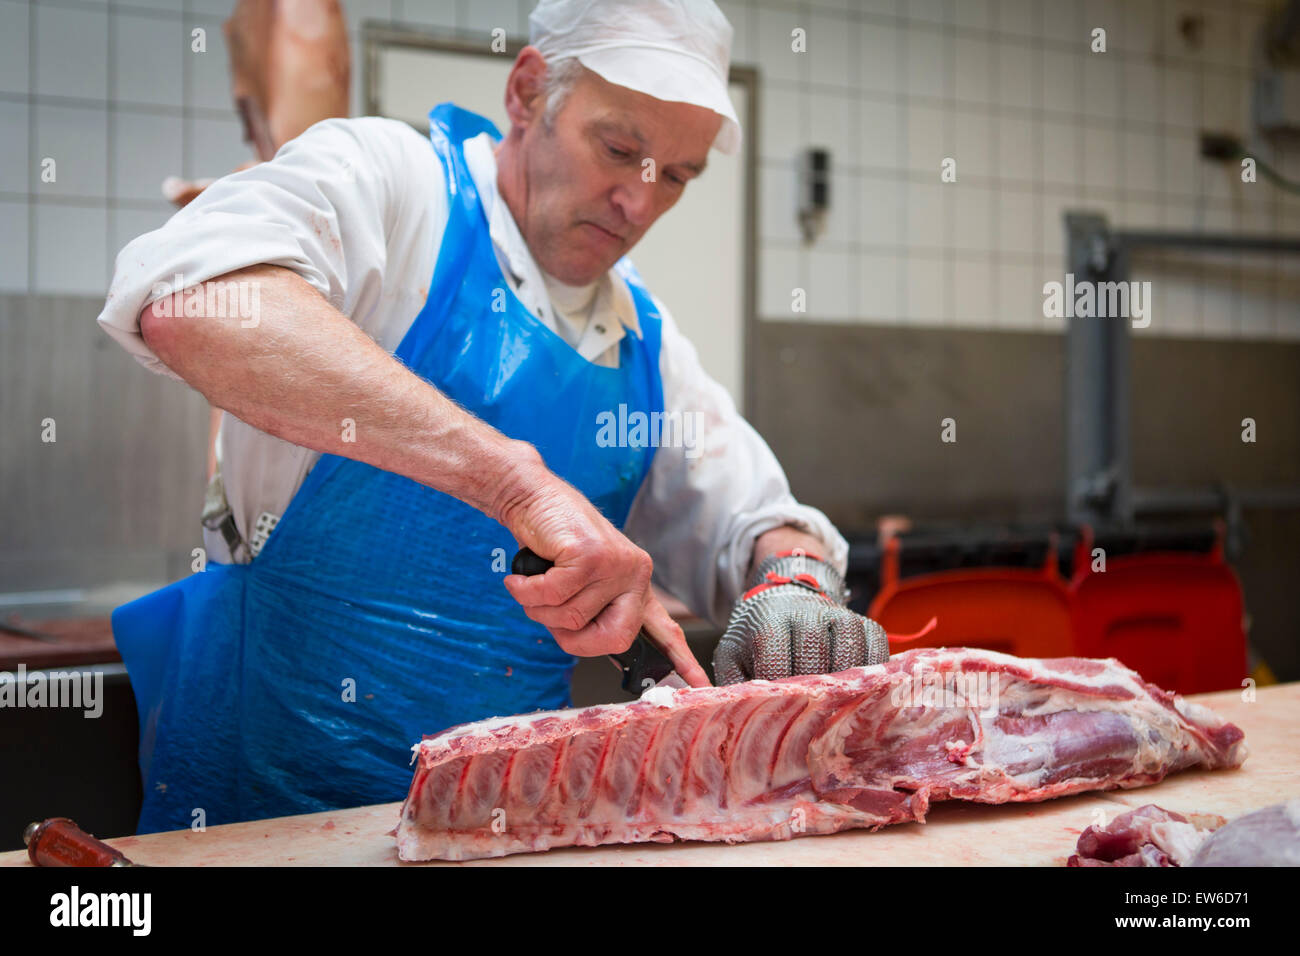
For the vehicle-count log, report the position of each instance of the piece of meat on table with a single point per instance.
(765, 760)
(1267, 837)
(1154, 836)
(1147, 836)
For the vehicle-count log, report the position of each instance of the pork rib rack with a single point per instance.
(764, 760)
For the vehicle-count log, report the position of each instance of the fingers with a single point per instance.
(772, 644)
(666, 634)
(612, 632)
(733, 661)
(557, 605)
(560, 584)
(877, 649)
(848, 641)
(810, 637)
(592, 600)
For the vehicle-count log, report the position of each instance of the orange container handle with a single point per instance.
(889, 565)
(899, 639)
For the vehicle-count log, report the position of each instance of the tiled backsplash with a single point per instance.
(111, 90)
(1037, 124)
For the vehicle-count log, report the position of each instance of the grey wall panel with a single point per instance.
(854, 413)
(1189, 398)
(117, 496)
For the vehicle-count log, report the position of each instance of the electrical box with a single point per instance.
(814, 191)
(1277, 100)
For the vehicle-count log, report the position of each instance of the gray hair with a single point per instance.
(561, 74)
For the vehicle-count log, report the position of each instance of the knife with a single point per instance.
(639, 663)
(60, 842)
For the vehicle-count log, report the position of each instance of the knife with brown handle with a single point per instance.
(60, 842)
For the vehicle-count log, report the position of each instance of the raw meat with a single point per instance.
(1268, 837)
(1154, 836)
(805, 755)
(1147, 836)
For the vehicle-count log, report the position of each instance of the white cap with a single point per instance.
(674, 50)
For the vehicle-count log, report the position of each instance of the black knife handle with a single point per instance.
(528, 563)
(640, 662)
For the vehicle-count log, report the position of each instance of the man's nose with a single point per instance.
(636, 201)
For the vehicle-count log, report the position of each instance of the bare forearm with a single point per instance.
(305, 373)
(785, 539)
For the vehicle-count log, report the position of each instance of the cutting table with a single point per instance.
(956, 834)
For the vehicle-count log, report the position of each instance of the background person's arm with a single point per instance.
(304, 368)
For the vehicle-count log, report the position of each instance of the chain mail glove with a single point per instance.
(792, 620)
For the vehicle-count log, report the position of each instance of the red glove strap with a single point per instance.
(775, 580)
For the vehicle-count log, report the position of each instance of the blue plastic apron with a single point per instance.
(374, 614)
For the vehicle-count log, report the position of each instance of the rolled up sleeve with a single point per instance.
(701, 509)
(321, 208)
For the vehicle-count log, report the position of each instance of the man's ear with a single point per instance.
(525, 101)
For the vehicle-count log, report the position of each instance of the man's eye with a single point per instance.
(617, 153)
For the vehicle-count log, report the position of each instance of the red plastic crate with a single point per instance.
(1174, 617)
(1021, 611)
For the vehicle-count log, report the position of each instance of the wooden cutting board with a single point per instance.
(956, 834)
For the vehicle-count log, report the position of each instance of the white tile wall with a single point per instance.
(878, 56)
(71, 51)
(13, 245)
(13, 147)
(114, 93)
(149, 57)
(881, 212)
(1038, 124)
(835, 62)
(146, 150)
(70, 249)
(833, 286)
(928, 293)
(14, 77)
(215, 146)
(76, 139)
(207, 73)
(878, 287)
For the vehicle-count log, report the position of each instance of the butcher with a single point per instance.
(413, 339)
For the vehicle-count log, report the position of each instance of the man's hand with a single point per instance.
(597, 595)
(792, 621)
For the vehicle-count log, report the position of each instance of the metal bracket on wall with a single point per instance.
(1099, 480)
(1096, 383)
